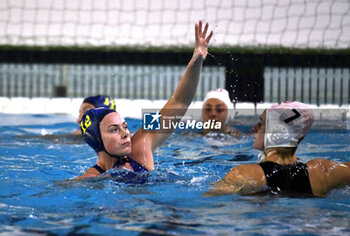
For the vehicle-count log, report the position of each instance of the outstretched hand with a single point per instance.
(202, 41)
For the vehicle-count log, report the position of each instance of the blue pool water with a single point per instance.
(36, 199)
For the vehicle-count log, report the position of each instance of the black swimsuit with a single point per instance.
(293, 178)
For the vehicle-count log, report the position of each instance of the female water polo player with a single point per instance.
(93, 102)
(216, 106)
(278, 133)
(107, 132)
(87, 104)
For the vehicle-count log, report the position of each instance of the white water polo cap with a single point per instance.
(221, 94)
(286, 124)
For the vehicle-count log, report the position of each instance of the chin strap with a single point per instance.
(261, 157)
(121, 160)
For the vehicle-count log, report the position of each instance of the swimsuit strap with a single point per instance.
(136, 166)
(99, 169)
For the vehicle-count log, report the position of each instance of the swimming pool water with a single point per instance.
(36, 199)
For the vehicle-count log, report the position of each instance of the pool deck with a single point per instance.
(133, 108)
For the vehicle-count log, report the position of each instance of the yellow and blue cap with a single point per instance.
(101, 101)
(90, 127)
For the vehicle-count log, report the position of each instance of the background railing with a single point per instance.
(118, 81)
(317, 78)
(310, 85)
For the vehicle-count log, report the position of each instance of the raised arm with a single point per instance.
(143, 143)
(187, 86)
(177, 105)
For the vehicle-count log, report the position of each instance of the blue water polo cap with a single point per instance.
(90, 127)
(100, 101)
